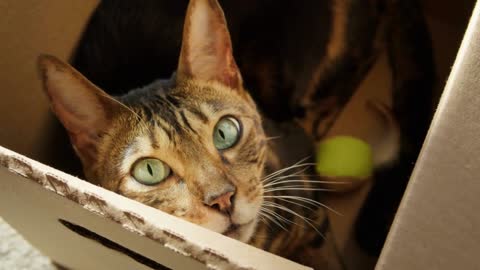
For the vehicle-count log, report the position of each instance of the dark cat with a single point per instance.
(301, 62)
(299, 59)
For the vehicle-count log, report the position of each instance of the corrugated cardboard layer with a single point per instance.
(83, 226)
(437, 225)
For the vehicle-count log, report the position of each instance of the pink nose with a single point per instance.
(222, 202)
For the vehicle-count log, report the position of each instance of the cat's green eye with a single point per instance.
(226, 133)
(150, 171)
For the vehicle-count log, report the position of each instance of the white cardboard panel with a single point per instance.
(33, 197)
(36, 217)
(437, 225)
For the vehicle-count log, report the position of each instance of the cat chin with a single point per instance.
(224, 225)
(245, 216)
(246, 211)
(242, 233)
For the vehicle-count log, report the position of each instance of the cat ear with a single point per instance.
(206, 52)
(83, 109)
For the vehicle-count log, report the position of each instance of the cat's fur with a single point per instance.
(173, 120)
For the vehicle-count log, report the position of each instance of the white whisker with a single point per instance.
(306, 181)
(307, 220)
(286, 168)
(277, 216)
(296, 165)
(306, 200)
(302, 188)
(137, 116)
(282, 177)
(273, 138)
(296, 203)
(264, 220)
(269, 217)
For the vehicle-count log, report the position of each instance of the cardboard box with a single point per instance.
(82, 226)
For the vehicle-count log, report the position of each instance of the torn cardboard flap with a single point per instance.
(85, 221)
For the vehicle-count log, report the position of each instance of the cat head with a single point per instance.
(193, 146)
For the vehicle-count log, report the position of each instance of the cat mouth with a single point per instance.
(235, 229)
(232, 229)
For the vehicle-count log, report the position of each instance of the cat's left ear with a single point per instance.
(206, 52)
(84, 110)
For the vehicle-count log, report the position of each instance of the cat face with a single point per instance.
(209, 144)
(193, 147)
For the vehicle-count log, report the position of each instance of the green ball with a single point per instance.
(344, 156)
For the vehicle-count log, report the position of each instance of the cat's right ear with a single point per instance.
(206, 52)
(83, 109)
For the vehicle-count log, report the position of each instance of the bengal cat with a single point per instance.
(200, 145)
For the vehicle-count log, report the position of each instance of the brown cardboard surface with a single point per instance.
(28, 28)
(42, 228)
(437, 224)
(34, 197)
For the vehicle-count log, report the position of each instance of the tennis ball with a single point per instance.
(344, 156)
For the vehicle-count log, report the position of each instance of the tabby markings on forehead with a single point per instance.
(186, 122)
(153, 138)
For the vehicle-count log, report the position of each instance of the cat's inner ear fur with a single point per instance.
(83, 109)
(206, 52)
